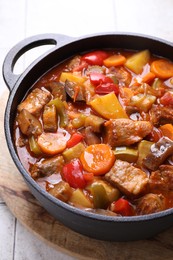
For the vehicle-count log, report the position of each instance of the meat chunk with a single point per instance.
(29, 124)
(61, 191)
(122, 75)
(35, 101)
(158, 153)
(160, 115)
(162, 179)
(122, 131)
(128, 179)
(47, 167)
(150, 203)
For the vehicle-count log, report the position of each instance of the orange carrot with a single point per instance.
(97, 158)
(114, 60)
(148, 77)
(162, 68)
(52, 143)
(167, 130)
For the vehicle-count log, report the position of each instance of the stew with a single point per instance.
(97, 132)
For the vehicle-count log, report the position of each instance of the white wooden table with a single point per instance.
(23, 18)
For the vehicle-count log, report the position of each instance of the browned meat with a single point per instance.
(47, 167)
(61, 191)
(35, 101)
(162, 179)
(161, 115)
(150, 203)
(50, 118)
(127, 178)
(158, 154)
(29, 124)
(125, 131)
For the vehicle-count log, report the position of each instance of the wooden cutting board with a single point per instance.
(29, 212)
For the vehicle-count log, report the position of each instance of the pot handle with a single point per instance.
(27, 44)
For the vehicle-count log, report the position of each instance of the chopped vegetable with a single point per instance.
(167, 99)
(107, 88)
(108, 106)
(142, 101)
(29, 124)
(71, 77)
(100, 198)
(33, 145)
(78, 198)
(57, 102)
(79, 121)
(74, 139)
(126, 153)
(52, 143)
(72, 173)
(95, 122)
(74, 91)
(137, 61)
(49, 118)
(143, 150)
(61, 191)
(95, 57)
(122, 207)
(167, 130)
(112, 192)
(114, 60)
(97, 78)
(73, 152)
(97, 158)
(162, 68)
(147, 78)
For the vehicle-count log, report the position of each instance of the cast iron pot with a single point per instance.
(92, 225)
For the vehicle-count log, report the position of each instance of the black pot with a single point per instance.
(92, 225)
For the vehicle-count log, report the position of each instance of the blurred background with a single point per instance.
(23, 18)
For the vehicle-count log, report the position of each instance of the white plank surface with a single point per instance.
(23, 18)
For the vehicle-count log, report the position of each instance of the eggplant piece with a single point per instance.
(159, 152)
(58, 90)
(29, 124)
(74, 91)
(90, 136)
(95, 122)
(50, 118)
(61, 191)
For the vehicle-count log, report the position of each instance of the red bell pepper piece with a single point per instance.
(122, 206)
(95, 57)
(107, 88)
(73, 174)
(167, 99)
(75, 139)
(104, 85)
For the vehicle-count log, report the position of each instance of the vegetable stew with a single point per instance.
(97, 132)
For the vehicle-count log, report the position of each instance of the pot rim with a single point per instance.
(23, 171)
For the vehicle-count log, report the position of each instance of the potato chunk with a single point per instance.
(137, 61)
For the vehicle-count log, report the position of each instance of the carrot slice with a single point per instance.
(162, 68)
(114, 60)
(97, 158)
(52, 143)
(148, 77)
(167, 130)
